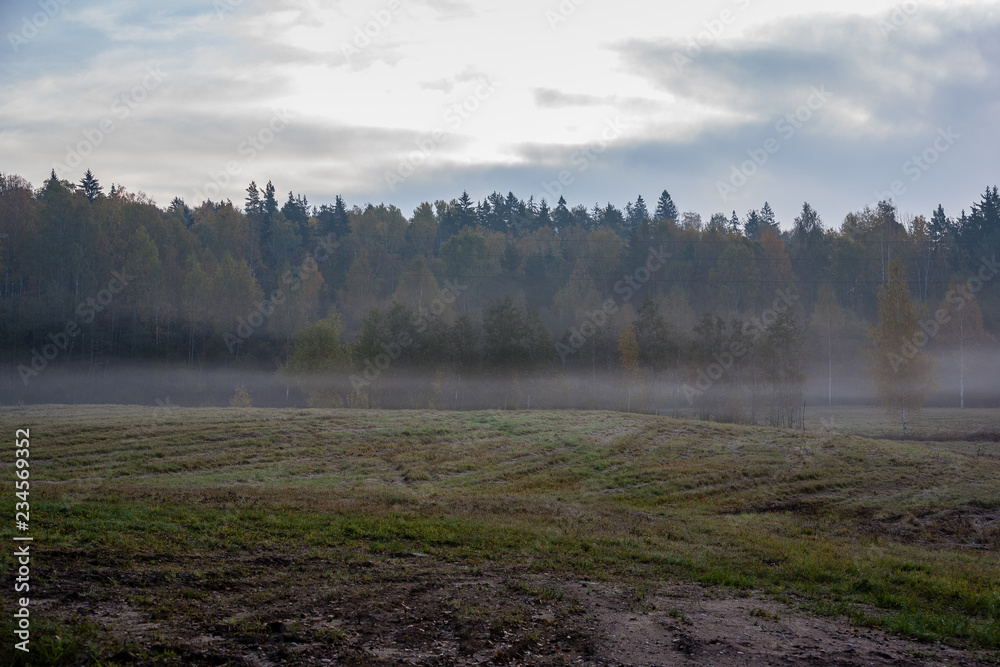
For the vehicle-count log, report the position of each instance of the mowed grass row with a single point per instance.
(903, 535)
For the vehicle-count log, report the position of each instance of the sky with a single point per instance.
(724, 104)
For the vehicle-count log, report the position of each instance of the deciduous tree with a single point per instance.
(899, 364)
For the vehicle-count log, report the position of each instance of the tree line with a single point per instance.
(500, 288)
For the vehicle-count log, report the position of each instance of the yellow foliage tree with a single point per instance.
(628, 347)
(901, 368)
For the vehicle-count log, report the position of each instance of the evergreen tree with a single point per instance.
(255, 217)
(91, 187)
(296, 211)
(665, 209)
(781, 365)
(981, 229)
(767, 217)
(341, 221)
(611, 218)
(637, 213)
(655, 341)
(941, 226)
(270, 203)
(254, 205)
(511, 259)
(752, 226)
(561, 215)
(807, 246)
(466, 211)
(514, 341)
(544, 218)
(582, 218)
(179, 208)
(734, 222)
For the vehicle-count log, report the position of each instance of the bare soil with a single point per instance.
(261, 609)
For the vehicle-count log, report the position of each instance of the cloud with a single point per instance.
(904, 80)
(355, 119)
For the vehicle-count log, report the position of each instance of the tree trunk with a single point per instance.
(902, 410)
(593, 370)
(652, 390)
(829, 356)
(961, 365)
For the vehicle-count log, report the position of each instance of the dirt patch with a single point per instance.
(693, 625)
(360, 608)
(966, 526)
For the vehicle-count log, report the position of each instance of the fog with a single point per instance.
(669, 394)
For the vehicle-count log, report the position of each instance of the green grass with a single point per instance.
(900, 535)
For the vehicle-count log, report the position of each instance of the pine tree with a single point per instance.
(665, 209)
(270, 202)
(544, 219)
(941, 225)
(91, 187)
(899, 365)
(253, 203)
(561, 215)
(752, 226)
(296, 211)
(639, 210)
(767, 217)
(466, 211)
(734, 222)
(340, 222)
(981, 229)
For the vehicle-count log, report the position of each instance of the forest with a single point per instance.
(501, 302)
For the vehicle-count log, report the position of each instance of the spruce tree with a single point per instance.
(91, 187)
(561, 215)
(665, 209)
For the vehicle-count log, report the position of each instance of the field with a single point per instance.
(319, 537)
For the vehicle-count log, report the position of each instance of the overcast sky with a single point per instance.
(725, 104)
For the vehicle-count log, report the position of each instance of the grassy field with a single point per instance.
(241, 536)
